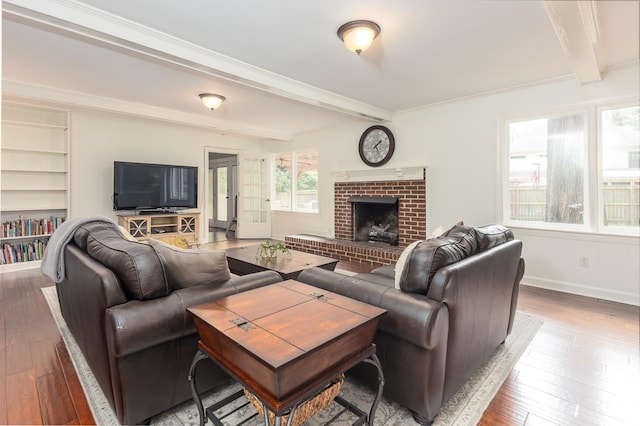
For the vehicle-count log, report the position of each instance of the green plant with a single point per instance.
(269, 249)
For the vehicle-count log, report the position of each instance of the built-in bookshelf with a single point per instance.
(34, 176)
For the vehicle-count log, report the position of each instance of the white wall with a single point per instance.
(458, 141)
(98, 139)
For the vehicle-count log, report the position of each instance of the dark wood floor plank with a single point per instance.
(23, 406)
(55, 400)
(44, 356)
(18, 352)
(83, 411)
(3, 400)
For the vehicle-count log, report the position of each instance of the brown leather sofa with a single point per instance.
(455, 305)
(125, 303)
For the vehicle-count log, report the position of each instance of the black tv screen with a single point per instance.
(142, 186)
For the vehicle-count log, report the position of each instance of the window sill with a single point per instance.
(582, 235)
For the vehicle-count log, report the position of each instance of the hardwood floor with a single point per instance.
(582, 368)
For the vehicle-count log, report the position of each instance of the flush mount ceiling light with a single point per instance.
(212, 101)
(358, 35)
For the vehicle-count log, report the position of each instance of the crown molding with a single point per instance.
(27, 92)
(77, 18)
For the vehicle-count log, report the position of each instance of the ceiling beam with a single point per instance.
(81, 20)
(22, 91)
(576, 25)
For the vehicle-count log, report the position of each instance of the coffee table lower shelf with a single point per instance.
(361, 418)
(208, 413)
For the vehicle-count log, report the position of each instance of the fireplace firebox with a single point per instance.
(375, 219)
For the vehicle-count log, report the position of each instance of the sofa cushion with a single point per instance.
(187, 268)
(82, 233)
(430, 255)
(403, 263)
(138, 266)
(489, 236)
(465, 235)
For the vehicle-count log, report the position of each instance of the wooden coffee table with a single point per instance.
(284, 342)
(245, 260)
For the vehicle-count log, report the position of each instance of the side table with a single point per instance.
(284, 343)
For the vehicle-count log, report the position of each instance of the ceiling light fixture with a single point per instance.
(212, 101)
(358, 35)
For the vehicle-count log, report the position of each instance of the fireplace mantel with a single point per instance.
(378, 175)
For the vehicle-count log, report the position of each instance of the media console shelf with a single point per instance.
(163, 225)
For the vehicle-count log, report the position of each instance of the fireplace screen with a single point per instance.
(375, 219)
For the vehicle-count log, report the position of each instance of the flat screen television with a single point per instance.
(154, 187)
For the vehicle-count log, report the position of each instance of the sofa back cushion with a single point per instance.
(430, 255)
(138, 266)
(83, 232)
(492, 235)
(188, 268)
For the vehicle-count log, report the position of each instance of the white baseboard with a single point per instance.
(582, 290)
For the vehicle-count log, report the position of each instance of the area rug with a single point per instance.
(464, 408)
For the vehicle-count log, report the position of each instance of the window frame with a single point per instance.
(593, 222)
(505, 197)
(294, 171)
(600, 226)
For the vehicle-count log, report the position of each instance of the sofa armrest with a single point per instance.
(411, 317)
(137, 325)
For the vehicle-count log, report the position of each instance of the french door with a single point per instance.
(254, 218)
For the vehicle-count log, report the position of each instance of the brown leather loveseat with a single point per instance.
(125, 303)
(450, 301)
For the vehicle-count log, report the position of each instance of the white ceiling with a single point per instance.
(281, 65)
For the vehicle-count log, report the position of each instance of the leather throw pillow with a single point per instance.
(137, 266)
(188, 268)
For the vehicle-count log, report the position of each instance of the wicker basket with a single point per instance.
(307, 409)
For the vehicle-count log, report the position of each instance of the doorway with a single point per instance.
(223, 204)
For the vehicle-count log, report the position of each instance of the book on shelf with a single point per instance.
(22, 227)
(23, 251)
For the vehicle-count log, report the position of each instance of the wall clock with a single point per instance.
(376, 146)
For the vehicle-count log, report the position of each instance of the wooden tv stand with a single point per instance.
(162, 225)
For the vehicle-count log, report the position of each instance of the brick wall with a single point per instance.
(412, 211)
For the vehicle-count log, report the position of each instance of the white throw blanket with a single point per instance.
(53, 260)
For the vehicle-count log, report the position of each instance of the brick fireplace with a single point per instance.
(407, 186)
(412, 212)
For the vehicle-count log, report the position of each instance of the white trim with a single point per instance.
(564, 235)
(380, 175)
(582, 290)
(95, 24)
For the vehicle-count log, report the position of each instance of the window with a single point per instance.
(295, 182)
(546, 169)
(620, 171)
(554, 162)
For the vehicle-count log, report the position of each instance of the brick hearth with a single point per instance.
(352, 251)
